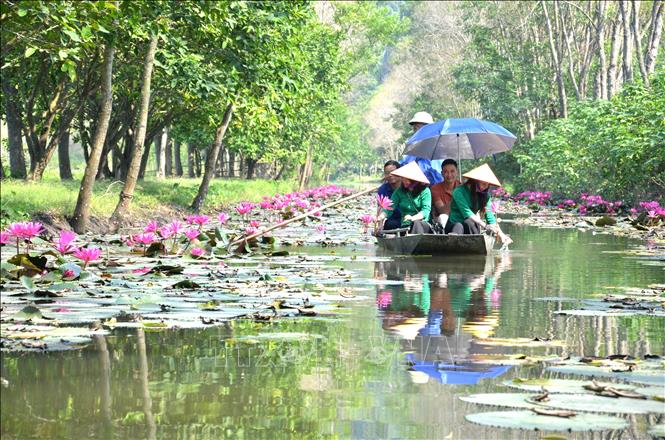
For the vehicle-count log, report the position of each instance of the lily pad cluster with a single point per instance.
(53, 300)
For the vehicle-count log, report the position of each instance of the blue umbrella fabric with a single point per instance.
(425, 165)
(465, 138)
(456, 374)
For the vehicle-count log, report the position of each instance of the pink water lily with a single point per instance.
(244, 208)
(24, 231)
(321, 228)
(251, 230)
(367, 220)
(64, 244)
(5, 237)
(197, 252)
(197, 219)
(68, 273)
(87, 254)
(145, 239)
(192, 234)
(222, 217)
(141, 270)
(384, 202)
(254, 223)
(152, 226)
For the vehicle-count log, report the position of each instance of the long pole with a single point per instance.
(459, 160)
(301, 216)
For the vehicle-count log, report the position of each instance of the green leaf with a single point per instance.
(27, 283)
(73, 35)
(29, 51)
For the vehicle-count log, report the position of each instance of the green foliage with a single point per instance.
(615, 148)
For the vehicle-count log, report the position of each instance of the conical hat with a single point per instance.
(411, 171)
(483, 174)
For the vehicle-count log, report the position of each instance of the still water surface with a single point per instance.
(367, 372)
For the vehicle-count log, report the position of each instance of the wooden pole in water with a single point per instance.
(301, 216)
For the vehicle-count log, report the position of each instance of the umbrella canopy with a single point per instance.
(466, 138)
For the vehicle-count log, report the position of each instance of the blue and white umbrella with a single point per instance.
(465, 138)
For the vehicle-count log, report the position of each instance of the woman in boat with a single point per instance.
(471, 202)
(390, 184)
(442, 193)
(413, 199)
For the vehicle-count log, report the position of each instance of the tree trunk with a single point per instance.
(197, 162)
(251, 166)
(232, 163)
(628, 39)
(654, 36)
(160, 156)
(614, 58)
(82, 211)
(211, 159)
(190, 160)
(63, 158)
(635, 30)
(178, 160)
(563, 105)
(168, 155)
(144, 159)
(600, 43)
(281, 172)
(305, 169)
(15, 142)
(130, 182)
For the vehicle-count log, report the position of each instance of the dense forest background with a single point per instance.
(323, 90)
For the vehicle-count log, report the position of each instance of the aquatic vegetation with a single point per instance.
(23, 231)
(532, 421)
(223, 218)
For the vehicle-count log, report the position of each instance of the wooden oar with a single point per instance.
(300, 217)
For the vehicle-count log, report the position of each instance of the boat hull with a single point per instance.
(438, 244)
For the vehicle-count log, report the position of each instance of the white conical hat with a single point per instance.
(421, 118)
(483, 174)
(411, 171)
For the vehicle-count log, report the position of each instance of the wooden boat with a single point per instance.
(437, 244)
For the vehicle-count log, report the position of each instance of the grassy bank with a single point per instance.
(20, 200)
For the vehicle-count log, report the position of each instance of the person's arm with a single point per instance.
(493, 225)
(425, 199)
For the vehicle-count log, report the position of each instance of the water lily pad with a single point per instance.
(531, 421)
(601, 404)
(520, 342)
(559, 386)
(509, 400)
(657, 431)
(641, 376)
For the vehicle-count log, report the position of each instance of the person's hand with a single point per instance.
(506, 240)
(408, 218)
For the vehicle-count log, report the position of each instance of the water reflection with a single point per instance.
(438, 307)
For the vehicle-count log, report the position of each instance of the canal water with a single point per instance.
(380, 367)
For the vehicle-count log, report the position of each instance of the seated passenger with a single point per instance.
(472, 200)
(413, 199)
(390, 184)
(442, 193)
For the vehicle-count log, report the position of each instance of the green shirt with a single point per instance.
(460, 207)
(408, 204)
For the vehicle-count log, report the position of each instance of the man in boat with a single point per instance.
(432, 169)
(390, 184)
(473, 200)
(442, 194)
(413, 198)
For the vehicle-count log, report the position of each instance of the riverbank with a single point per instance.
(551, 217)
(52, 200)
